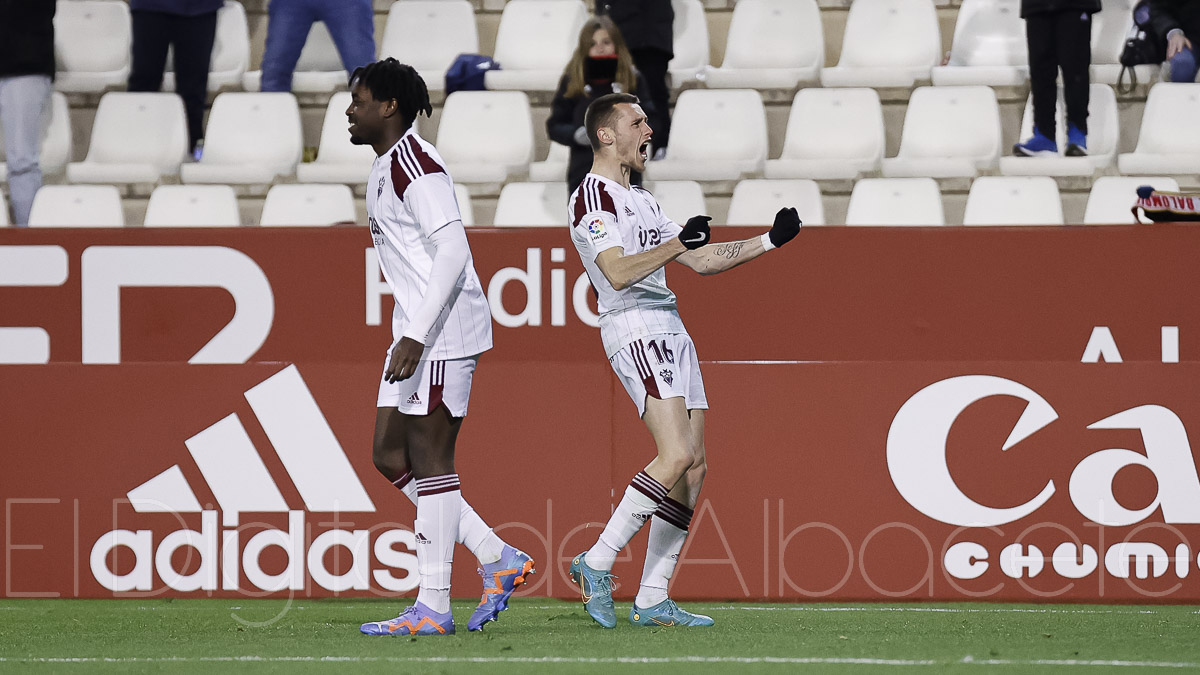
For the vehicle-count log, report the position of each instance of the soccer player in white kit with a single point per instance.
(440, 326)
(625, 240)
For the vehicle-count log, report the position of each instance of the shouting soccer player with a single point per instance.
(625, 241)
(440, 326)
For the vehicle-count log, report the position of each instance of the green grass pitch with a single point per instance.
(548, 636)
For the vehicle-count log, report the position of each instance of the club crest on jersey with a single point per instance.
(595, 228)
(667, 376)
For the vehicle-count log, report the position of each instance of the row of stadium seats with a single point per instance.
(487, 138)
(993, 200)
(772, 44)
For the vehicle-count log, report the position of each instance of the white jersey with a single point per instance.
(409, 197)
(605, 215)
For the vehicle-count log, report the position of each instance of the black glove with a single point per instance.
(696, 233)
(787, 225)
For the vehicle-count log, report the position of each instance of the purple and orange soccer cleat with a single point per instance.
(416, 620)
(500, 579)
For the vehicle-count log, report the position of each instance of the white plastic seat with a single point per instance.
(77, 206)
(895, 201)
(465, 209)
(1013, 200)
(92, 41)
(850, 141)
(715, 135)
(429, 34)
(319, 68)
(192, 206)
(1101, 140)
(535, 40)
(532, 205)
(338, 160)
(486, 136)
(252, 137)
(690, 32)
(136, 138)
(1112, 198)
(554, 167)
(300, 205)
(3, 211)
(1169, 140)
(755, 202)
(231, 51)
(989, 46)
(56, 140)
(948, 132)
(679, 199)
(887, 43)
(772, 44)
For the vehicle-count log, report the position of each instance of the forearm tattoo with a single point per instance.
(730, 250)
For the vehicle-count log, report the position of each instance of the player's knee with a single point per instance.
(389, 462)
(696, 474)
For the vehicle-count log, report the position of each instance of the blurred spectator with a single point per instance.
(188, 26)
(601, 65)
(351, 24)
(1178, 21)
(26, 73)
(648, 27)
(1059, 35)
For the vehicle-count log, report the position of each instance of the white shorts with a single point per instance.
(434, 383)
(662, 366)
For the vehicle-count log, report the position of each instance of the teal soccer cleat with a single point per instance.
(666, 613)
(596, 588)
(416, 620)
(500, 579)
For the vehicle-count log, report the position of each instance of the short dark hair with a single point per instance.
(389, 79)
(600, 113)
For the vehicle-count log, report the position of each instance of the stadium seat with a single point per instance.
(887, 43)
(895, 201)
(56, 140)
(1112, 198)
(77, 206)
(251, 138)
(554, 167)
(92, 41)
(136, 138)
(231, 51)
(989, 46)
(1169, 140)
(532, 205)
(486, 136)
(772, 44)
(1013, 200)
(679, 199)
(1101, 141)
(715, 135)
(318, 70)
(3, 211)
(755, 202)
(301, 205)
(428, 35)
(948, 132)
(851, 139)
(690, 62)
(192, 206)
(338, 160)
(1110, 27)
(465, 209)
(535, 40)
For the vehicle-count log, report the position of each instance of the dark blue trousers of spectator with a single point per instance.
(192, 37)
(351, 24)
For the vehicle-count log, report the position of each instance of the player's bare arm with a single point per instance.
(623, 271)
(717, 258)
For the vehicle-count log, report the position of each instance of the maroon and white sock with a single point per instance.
(473, 532)
(641, 499)
(668, 531)
(439, 503)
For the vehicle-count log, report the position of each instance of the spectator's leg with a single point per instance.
(652, 64)
(24, 112)
(351, 24)
(193, 40)
(1183, 66)
(1043, 70)
(288, 24)
(151, 38)
(1074, 57)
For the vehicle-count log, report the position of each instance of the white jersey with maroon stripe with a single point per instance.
(605, 215)
(409, 197)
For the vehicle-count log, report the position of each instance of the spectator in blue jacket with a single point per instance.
(351, 24)
(26, 73)
(190, 26)
(1178, 22)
